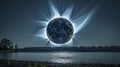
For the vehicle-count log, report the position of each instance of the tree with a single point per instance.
(6, 44)
(11, 47)
(16, 46)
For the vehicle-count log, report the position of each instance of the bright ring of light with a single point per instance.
(78, 23)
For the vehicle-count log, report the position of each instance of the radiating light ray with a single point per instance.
(42, 33)
(43, 23)
(83, 10)
(82, 21)
(77, 23)
(75, 37)
(54, 11)
(45, 16)
(67, 13)
(79, 26)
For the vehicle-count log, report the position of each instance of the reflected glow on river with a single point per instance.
(62, 57)
(65, 57)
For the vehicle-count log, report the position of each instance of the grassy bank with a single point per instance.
(14, 63)
(7, 51)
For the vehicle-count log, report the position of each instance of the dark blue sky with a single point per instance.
(17, 22)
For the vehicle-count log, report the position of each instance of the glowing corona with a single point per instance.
(78, 23)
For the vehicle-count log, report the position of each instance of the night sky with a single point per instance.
(17, 22)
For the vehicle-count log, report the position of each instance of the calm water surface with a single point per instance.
(65, 57)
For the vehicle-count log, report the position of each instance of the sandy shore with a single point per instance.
(14, 63)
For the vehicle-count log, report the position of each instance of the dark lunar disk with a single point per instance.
(59, 30)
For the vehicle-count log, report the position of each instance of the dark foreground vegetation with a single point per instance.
(14, 63)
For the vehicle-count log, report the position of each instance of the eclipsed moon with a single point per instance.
(59, 30)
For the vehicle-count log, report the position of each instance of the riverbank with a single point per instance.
(15, 63)
(66, 49)
(7, 51)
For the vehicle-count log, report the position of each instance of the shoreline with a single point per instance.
(15, 51)
(17, 63)
(7, 51)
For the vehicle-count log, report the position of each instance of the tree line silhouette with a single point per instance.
(7, 44)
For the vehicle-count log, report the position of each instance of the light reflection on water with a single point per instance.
(65, 57)
(62, 57)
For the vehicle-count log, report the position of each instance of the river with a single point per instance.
(65, 57)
